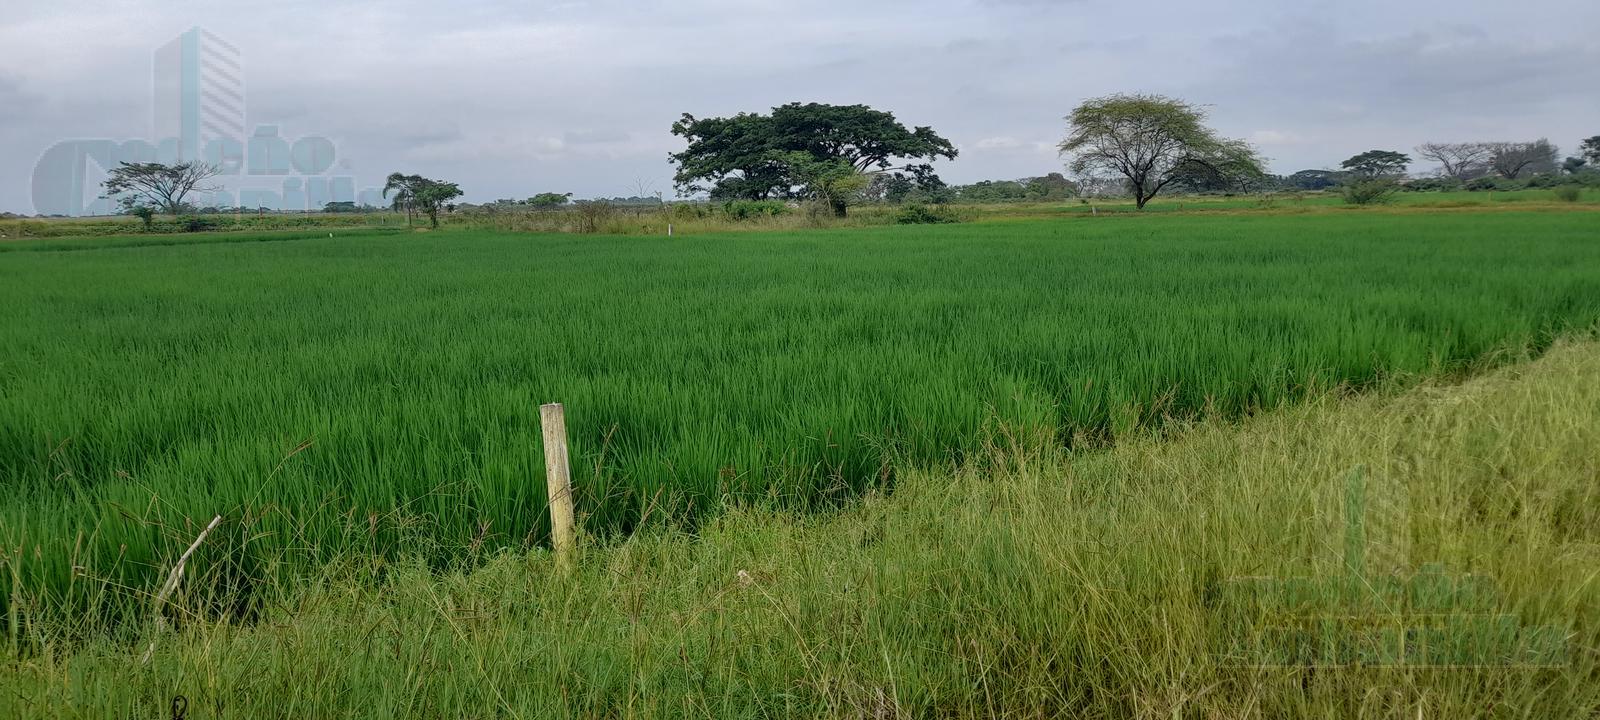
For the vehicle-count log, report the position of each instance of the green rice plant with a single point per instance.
(378, 392)
(1145, 580)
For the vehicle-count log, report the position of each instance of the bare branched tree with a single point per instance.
(162, 188)
(1511, 160)
(1462, 161)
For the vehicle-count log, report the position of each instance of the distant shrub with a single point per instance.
(925, 215)
(194, 223)
(747, 209)
(1438, 184)
(593, 215)
(145, 213)
(688, 211)
(1370, 192)
(1569, 193)
(1545, 181)
(1498, 184)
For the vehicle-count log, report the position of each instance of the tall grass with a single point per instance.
(379, 394)
(1021, 583)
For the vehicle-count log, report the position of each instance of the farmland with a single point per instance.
(377, 393)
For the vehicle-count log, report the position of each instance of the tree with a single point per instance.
(145, 213)
(1590, 149)
(991, 191)
(420, 193)
(1369, 191)
(1377, 164)
(1462, 161)
(892, 187)
(1514, 159)
(1153, 141)
(162, 188)
(913, 183)
(549, 200)
(785, 154)
(1313, 179)
(834, 182)
(1054, 186)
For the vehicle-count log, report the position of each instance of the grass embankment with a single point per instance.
(378, 394)
(1024, 583)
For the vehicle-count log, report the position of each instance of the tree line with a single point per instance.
(1140, 145)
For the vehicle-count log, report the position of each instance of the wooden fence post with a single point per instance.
(558, 481)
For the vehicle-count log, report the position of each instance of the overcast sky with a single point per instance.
(514, 98)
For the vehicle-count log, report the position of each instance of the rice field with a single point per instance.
(378, 393)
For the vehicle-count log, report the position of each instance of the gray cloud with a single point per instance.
(14, 101)
(513, 98)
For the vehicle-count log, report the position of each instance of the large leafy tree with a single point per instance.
(414, 192)
(1154, 141)
(143, 188)
(1377, 164)
(800, 150)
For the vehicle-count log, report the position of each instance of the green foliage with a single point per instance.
(1155, 141)
(799, 151)
(1491, 183)
(145, 213)
(1314, 179)
(1590, 148)
(414, 192)
(1377, 164)
(924, 215)
(165, 188)
(549, 200)
(194, 223)
(1434, 184)
(1053, 186)
(749, 209)
(993, 191)
(914, 183)
(1369, 192)
(835, 182)
(691, 211)
(1569, 193)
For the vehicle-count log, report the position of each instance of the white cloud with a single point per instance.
(999, 143)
